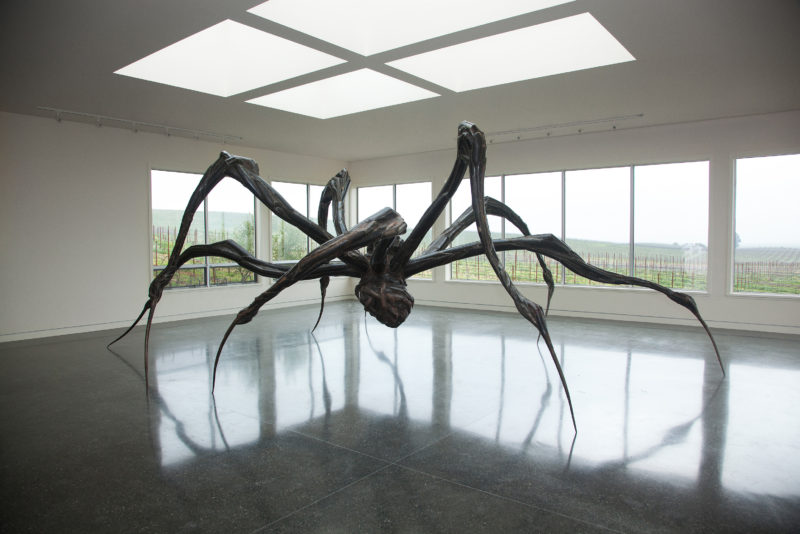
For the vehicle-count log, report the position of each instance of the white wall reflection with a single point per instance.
(309, 373)
(187, 425)
(651, 413)
(763, 431)
(396, 371)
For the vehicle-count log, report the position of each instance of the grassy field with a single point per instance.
(767, 270)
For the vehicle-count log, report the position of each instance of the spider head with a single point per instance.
(385, 297)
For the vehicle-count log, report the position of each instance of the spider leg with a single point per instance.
(245, 171)
(552, 247)
(425, 223)
(334, 194)
(233, 251)
(336, 189)
(493, 207)
(384, 224)
(139, 318)
(527, 308)
(323, 287)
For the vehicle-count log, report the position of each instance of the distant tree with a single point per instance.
(736, 240)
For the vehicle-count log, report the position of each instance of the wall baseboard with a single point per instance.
(749, 327)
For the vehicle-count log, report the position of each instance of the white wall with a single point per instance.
(74, 207)
(75, 225)
(720, 141)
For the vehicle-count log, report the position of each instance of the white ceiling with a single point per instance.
(695, 60)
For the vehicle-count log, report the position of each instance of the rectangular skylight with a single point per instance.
(371, 26)
(353, 92)
(565, 45)
(228, 58)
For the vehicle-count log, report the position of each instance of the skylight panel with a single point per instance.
(353, 92)
(371, 26)
(228, 58)
(565, 45)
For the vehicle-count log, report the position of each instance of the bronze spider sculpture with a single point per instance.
(388, 262)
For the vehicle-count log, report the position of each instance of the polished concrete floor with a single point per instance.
(454, 422)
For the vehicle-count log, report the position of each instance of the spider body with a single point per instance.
(385, 296)
(382, 271)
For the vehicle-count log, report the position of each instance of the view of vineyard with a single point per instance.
(767, 270)
(767, 240)
(673, 266)
(601, 209)
(757, 270)
(222, 225)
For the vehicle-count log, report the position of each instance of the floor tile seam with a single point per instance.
(319, 500)
(506, 498)
(348, 449)
(417, 451)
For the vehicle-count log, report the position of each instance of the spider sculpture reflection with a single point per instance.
(388, 262)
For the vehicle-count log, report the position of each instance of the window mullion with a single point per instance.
(308, 214)
(205, 240)
(503, 219)
(631, 246)
(563, 219)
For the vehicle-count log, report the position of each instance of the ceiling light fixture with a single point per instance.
(371, 26)
(247, 58)
(348, 93)
(564, 45)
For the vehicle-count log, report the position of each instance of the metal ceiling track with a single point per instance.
(136, 126)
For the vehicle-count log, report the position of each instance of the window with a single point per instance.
(476, 268)
(289, 243)
(597, 218)
(650, 221)
(227, 213)
(409, 200)
(374, 199)
(537, 199)
(671, 224)
(766, 239)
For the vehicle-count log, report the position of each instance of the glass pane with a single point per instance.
(314, 194)
(598, 219)
(288, 242)
(767, 242)
(476, 268)
(187, 277)
(671, 224)
(374, 199)
(412, 201)
(169, 195)
(537, 199)
(231, 215)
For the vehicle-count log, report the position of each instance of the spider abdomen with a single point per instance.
(385, 297)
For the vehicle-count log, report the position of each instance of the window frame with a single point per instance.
(394, 185)
(731, 259)
(308, 213)
(561, 279)
(206, 266)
